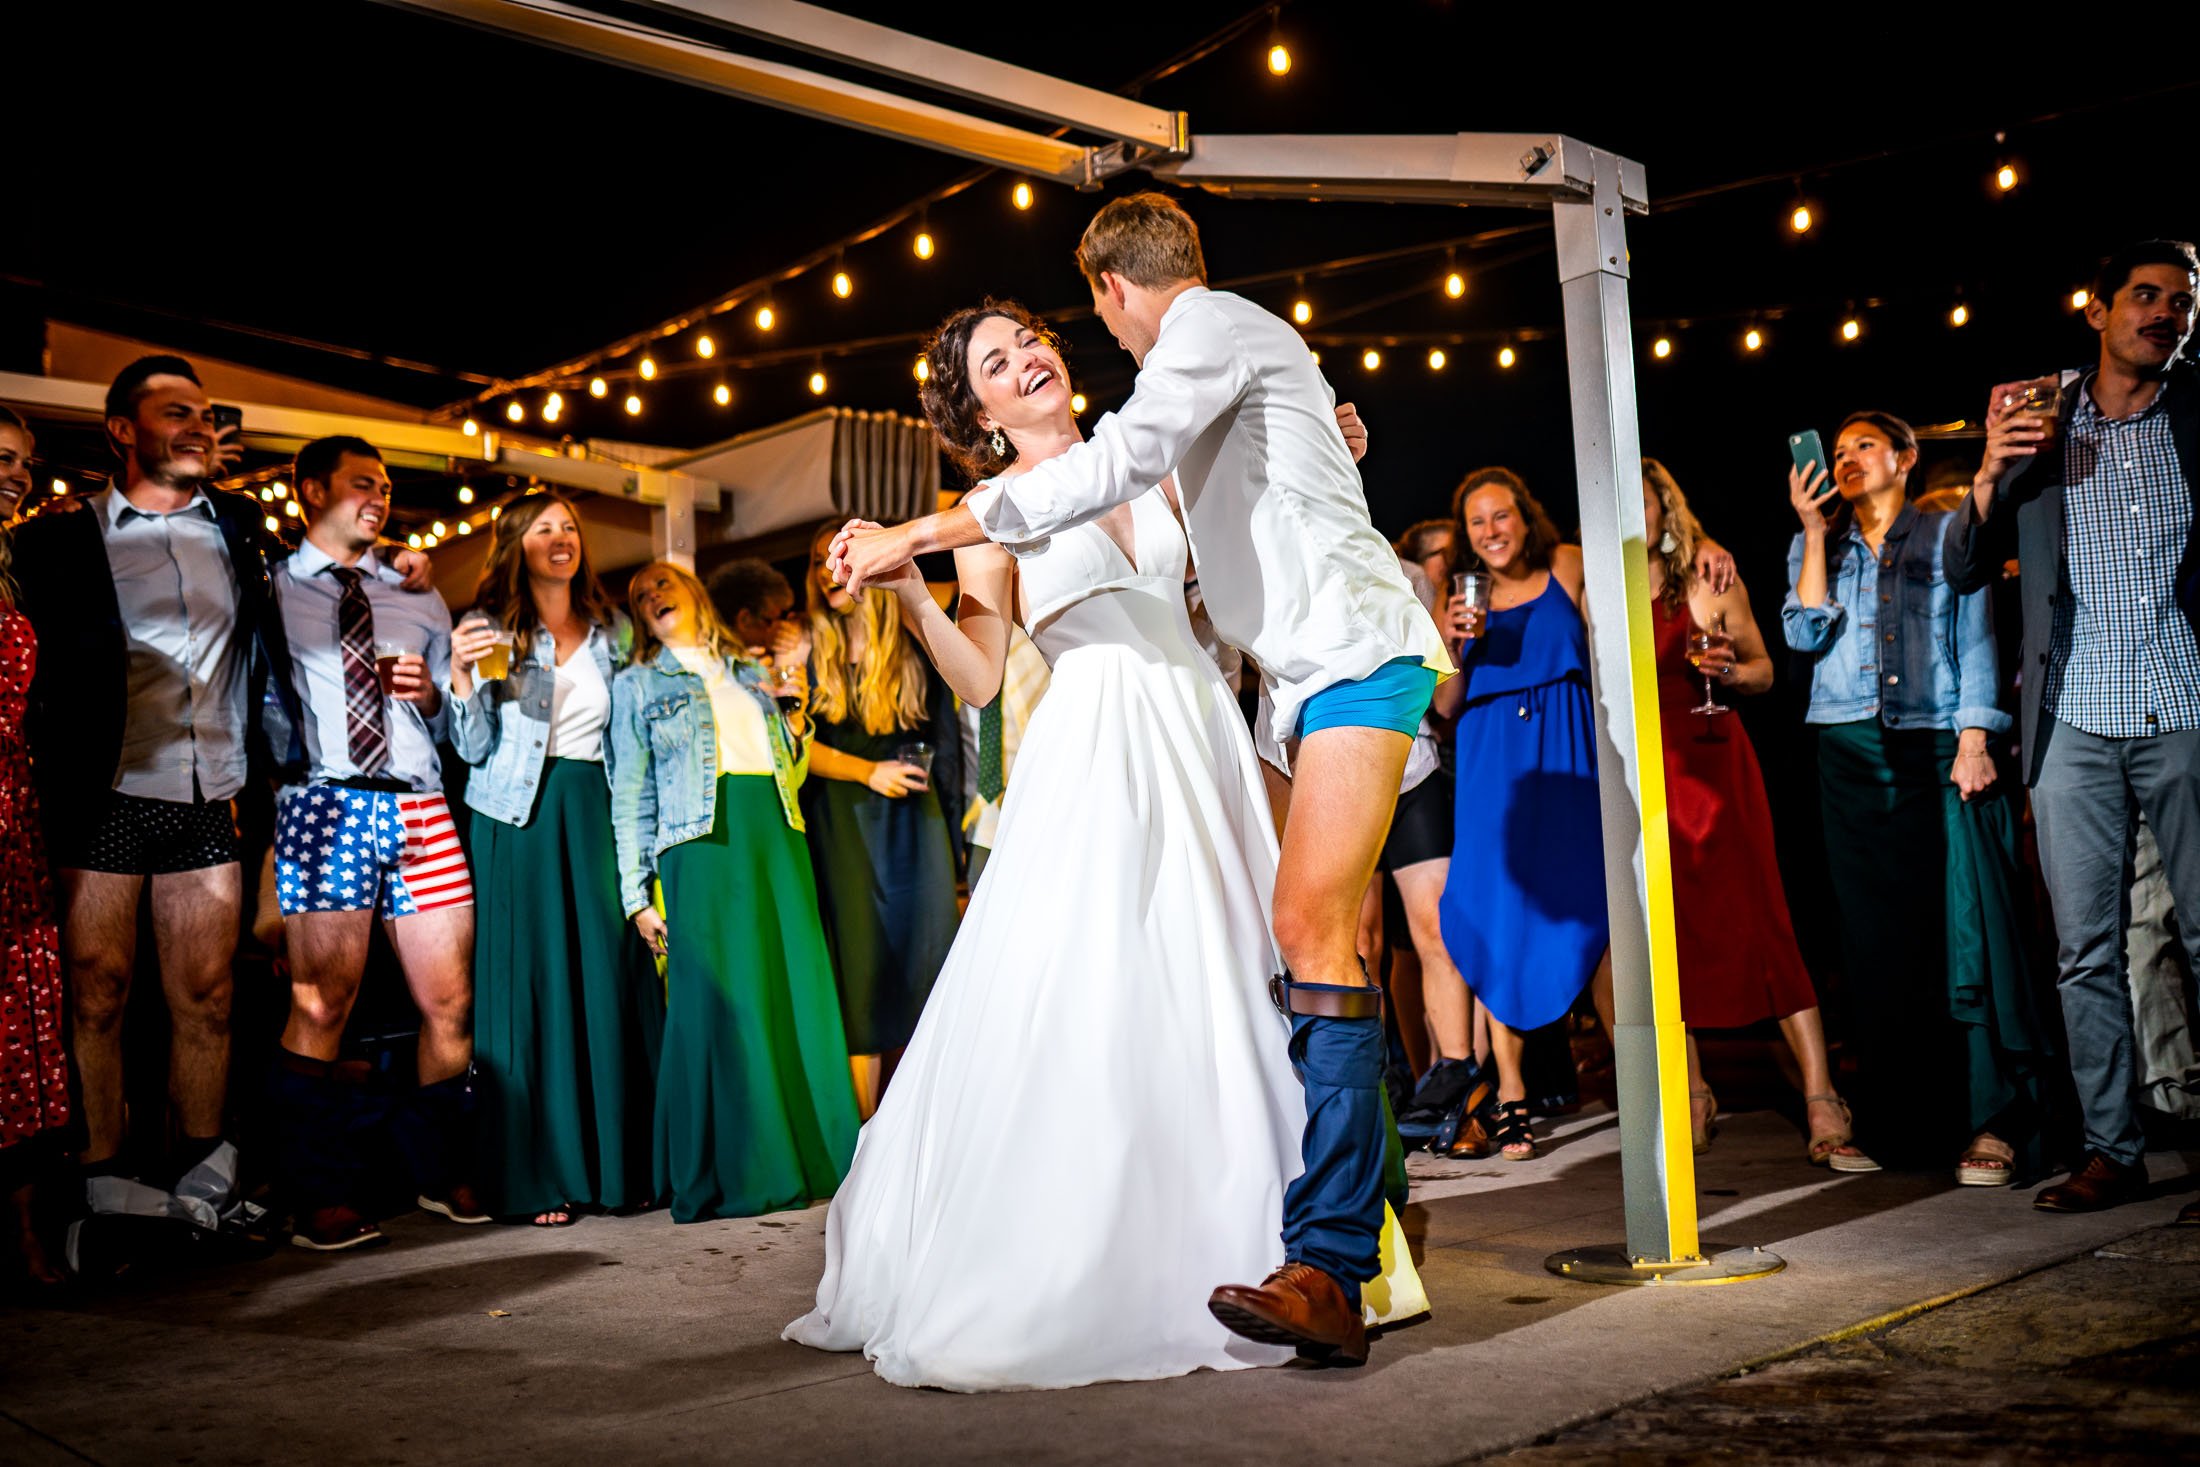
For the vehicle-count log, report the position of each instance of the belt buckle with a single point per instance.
(1279, 994)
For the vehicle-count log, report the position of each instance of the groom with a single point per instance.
(1293, 573)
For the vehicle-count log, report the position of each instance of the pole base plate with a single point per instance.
(1610, 1263)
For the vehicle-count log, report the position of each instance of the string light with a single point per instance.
(496, 511)
(1077, 402)
(470, 428)
(722, 395)
(705, 347)
(1851, 329)
(1317, 356)
(1960, 316)
(1800, 220)
(1661, 348)
(1021, 197)
(1437, 359)
(1279, 60)
(2078, 298)
(430, 542)
(413, 541)
(1752, 339)
(817, 384)
(273, 524)
(290, 509)
(1371, 359)
(2005, 178)
(765, 318)
(1302, 311)
(268, 495)
(1506, 356)
(552, 408)
(515, 412)
(439, 529)
(649, 369)
(597, 387)
(922, 370)
(282, 490)
(923, 244)
(61, 486)
(465, 494)
(633, 406)
(465, 527)
(843, 286)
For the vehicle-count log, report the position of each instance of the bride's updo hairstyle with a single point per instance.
(951, 402)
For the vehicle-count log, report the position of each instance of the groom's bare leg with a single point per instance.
(1344, 787)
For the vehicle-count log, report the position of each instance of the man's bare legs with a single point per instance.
(328, 960)
(99, 950)
(1343, 791)
(195, 917)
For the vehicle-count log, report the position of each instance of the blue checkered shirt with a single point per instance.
(2124, 662)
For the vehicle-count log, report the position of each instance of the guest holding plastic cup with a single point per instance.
(567, 1014)
(885, 862)
(1921, 825)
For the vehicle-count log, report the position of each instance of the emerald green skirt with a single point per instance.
(567, 1011)
(755, 1107)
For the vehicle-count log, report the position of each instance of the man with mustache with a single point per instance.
(2099, 501)
(367, 834)
(158, 646)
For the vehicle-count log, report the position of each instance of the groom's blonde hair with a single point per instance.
(1146, 238)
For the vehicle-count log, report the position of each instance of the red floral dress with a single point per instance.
(34, 1069)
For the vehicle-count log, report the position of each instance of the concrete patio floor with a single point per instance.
(635, 1341)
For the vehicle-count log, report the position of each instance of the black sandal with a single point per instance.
(1512, 1131)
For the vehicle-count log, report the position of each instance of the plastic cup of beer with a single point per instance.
(387, 653)
(496, 663)
(917, 753)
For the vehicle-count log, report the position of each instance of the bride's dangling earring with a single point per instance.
(1667, 544)
(1000, 443)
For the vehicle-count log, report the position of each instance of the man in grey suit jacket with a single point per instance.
(2092, 479)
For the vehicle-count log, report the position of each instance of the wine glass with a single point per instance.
(1701, 642)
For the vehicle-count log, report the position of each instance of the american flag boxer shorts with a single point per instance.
(345, 850)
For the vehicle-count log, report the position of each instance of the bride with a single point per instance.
(1096, 1118)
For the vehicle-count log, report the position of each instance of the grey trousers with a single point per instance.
(2163, 1007)
(2086, 802)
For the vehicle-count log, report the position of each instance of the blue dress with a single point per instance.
(1523, 910)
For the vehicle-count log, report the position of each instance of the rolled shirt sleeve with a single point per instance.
(1978, 667)
(1808, 628)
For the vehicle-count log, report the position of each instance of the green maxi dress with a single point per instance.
(567, 1012)
(755, 1110)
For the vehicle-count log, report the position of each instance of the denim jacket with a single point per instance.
(503, 730)
(1893, 640)
(662, 756)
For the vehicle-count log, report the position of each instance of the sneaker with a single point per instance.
(459, 1204)
(334, 1229)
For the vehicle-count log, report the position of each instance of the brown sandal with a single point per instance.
(1833, 1148)
(1988, 1161)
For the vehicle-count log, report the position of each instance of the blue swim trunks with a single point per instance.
(1394, 696)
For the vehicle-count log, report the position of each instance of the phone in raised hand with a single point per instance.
(1808, 453)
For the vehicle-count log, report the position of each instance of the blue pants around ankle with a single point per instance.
(1333, 1213)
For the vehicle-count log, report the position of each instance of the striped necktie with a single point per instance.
(364, 730)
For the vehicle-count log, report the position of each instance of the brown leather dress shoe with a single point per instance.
(2094, 1187)
(1297, 1305)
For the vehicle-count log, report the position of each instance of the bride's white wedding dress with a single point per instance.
(1095, 1121)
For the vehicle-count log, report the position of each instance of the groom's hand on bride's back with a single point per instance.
(1354, 430)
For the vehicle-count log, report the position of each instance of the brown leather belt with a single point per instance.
(1325, 1003)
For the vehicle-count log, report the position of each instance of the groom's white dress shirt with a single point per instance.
(1293, 572)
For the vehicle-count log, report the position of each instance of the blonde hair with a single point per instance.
(1146, 238)
(713, 634)
(1682, 526)
(888, 691)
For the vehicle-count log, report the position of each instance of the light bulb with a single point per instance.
(597, 387)
(268, 495)
(923, 370)
(1436, 359)
(465, 494)
(817, 384)
(1506, 357)
(1302, 311)
(1317, 356)
(649, 369)
(1960, 316)
(843, 286)
(2078, 298)
(1661, 348)
(923, 244)
(465, 527)
(765, 318)
(705, 347)
(470, 428)
(1851, 329)
(1022, 196)
(2005, 178)
(430, 542)
(496, 511)
(550, 412)
(1279, 59)
(1800, 220)
(1371, 359)
(61, 486)
(282, 490)
(633, 406)
(439, 529)
(290, 509)
(1752, 339)
(1077, 402)
(273, 524)
(555, 403)
(722, 395)
(1455, 285)
(413, 541)
(514, 412)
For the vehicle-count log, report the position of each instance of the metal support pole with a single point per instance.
(1657, 1163)
(671, 515)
